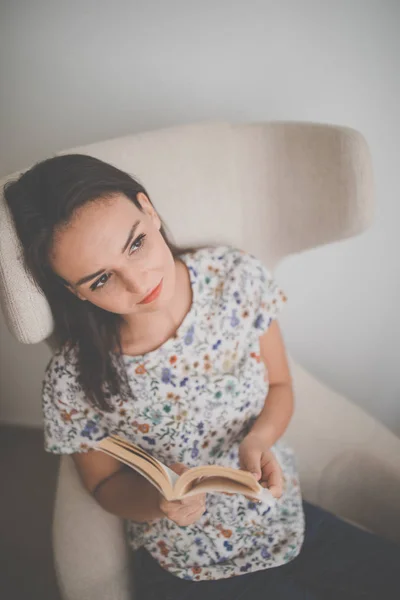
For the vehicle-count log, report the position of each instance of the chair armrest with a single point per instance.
(92, 559)
(348, 461)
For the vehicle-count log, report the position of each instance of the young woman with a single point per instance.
(180, 352)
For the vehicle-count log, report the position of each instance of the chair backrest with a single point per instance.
(271, 188)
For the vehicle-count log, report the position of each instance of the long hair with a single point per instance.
(42, 199)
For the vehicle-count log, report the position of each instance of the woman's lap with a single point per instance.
(337, 562)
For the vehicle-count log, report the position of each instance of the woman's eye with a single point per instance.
(137, 244)
(100, 282)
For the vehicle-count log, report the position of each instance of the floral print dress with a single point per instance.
(193, 400)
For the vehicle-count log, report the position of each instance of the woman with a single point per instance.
(180, 352)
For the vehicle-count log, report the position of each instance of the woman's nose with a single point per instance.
(137, 283)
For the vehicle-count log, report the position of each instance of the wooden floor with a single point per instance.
(28, 479)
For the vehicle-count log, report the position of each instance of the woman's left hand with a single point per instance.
(256, 457)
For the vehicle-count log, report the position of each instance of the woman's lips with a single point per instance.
(153, 294)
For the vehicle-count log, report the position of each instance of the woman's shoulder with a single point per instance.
(64, 355)
(62, 368)
(225, 260)
(237, 286)
(61, 386)
(227, 266)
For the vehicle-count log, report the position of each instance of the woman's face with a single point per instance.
(113, 255)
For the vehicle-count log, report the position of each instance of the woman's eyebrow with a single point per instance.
(131, 234)
(93, 275)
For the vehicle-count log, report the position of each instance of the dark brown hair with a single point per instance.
(44, 198)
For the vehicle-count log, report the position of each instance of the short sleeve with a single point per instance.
(257, 296)
(268, 298)
(71, 423)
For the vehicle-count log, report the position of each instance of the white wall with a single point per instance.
(80, 71)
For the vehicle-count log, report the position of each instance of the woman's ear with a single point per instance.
(149, 209)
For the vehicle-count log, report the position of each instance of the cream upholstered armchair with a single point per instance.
(273, 189)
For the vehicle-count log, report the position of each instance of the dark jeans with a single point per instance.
(337, 562)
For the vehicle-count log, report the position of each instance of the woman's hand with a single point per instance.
(183, 512)
(256, 457)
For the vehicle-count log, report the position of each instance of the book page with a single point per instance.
(138, 459)
(218, 484)
(222, 485)
(223, 476)
(171, 476)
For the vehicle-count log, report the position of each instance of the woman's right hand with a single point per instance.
(187, 511)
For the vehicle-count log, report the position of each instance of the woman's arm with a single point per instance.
(278, 408)
(123, 492)
(254, 452)
(118, 489)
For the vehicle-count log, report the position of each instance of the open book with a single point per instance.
(208, 478)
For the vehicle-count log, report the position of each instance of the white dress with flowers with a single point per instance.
(192, 401)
